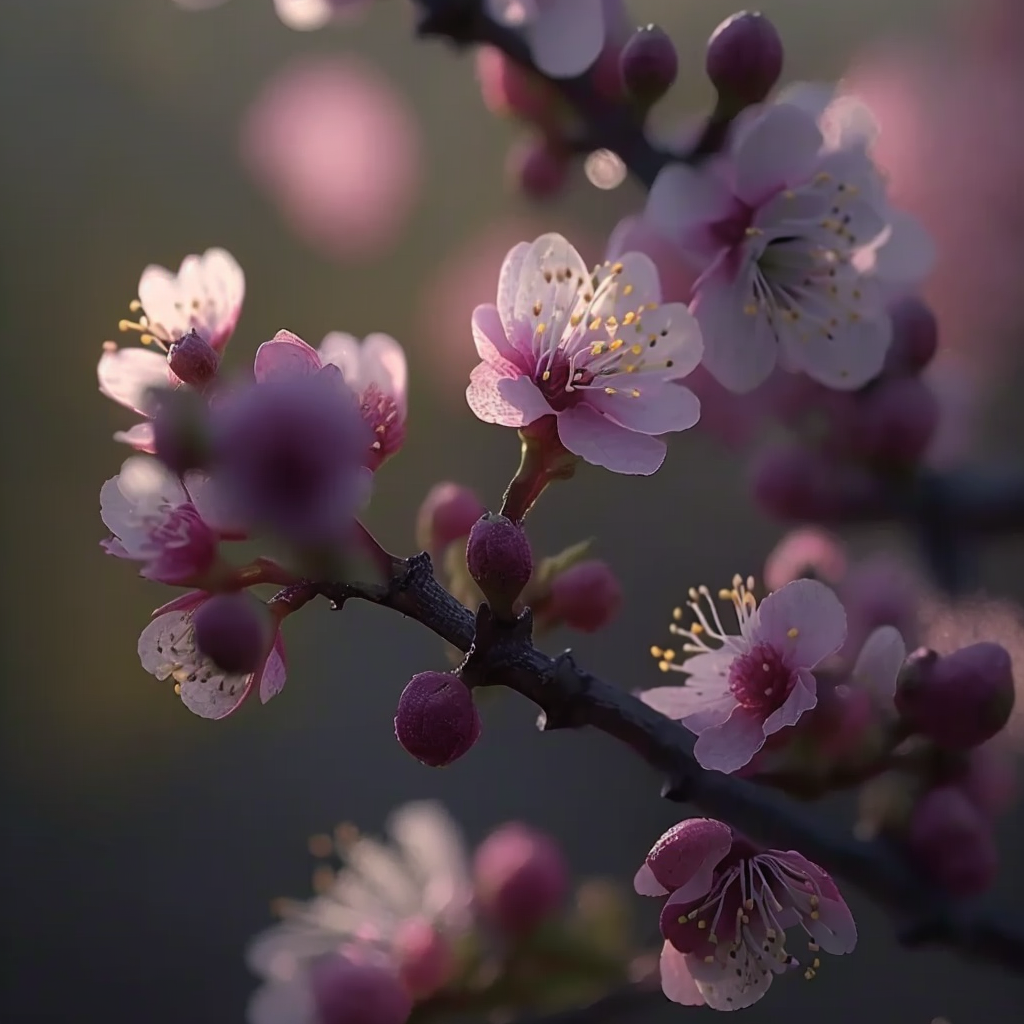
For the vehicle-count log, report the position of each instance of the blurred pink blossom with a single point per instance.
(337, 149)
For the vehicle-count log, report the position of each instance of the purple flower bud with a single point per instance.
(649, 64)
(437, 721)
(587, 596)
(448, 514)
(520, 876)
(744, 58)
(233, 631)
(537, 169)
(499, 559)
(193, 361)
(350, 991)
(897, 422)
(181, 431)
(953, 842)
(426, 959)
(960, 700)
(289, 455)
(915, 337)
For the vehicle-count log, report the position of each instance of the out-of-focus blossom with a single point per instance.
(783, 231)
(756, 681)
(565, 36)
(728, 909)
(365, 909)
(810, 552)
(167, 650)
(374, 370)
(586, 596)
(204, 296)
(335, 146)
(595, 349)
(154, 520)
(447, 514)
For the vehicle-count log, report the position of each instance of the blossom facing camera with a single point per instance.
(448, 513)
(596, 349)
(437, 721)
(521, 877)
(728, 908)
(745, 686)
(233, 631)
(499, 559)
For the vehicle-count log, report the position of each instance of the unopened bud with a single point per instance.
(350, 991)
(499, 560)
(181, 431)
(960, 700)
(426, 960)
(649, 64)
(744, 59)
(537, 169)
(897, 422)
(587, 596)
(953, 842)
(915, 337)
(193, 361)
(808, 553)
(520, 876)
(437, 721)
(233, 631)
(448, 514)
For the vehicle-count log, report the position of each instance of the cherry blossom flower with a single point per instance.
(167, 650)
(595, 349)
(798, 247)
(154, 519)
(204, 296)
(565, 36)
(374, 370)
(729, 906)
(365, 909)
(756, 681)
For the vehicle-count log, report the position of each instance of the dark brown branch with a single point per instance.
(570, 697)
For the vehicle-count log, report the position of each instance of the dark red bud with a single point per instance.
(649, 64)
(437, 721)
(499, 559)
(744, 58)
(193, 361)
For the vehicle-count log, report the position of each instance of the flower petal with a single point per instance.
(879, 662)
(508, 284)
(274, 673)
(566, 37)
(140, 437)
(603, 443)
(834, 929)
(492, 344)
(804, 621)
(286, 355)
(731, 983)
(645, 884)
(676, 980)
(803, 697)
(684, 202)
(550, 274)
(128, 375)
(662, 407)
(685, 857)
(698, 707)
(731, 745)
(509, 401)
(773, 151)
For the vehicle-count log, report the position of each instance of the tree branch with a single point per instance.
(570, 697)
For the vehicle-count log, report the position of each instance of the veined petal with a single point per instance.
(550, 274)
(697, 708)
(129, 375)
(729, 983)
(804, 621)
(491, 340)
(601, 442)
(274, 673)
(508, 401)
(508, 284)
(847, 358)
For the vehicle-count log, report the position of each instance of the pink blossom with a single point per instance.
(754, 682)
(204, 296)
(809, 551)
(167, 650)
(336, 147)
(595, 349)
(796, 244)
(154, 520)
(374, 370)
(729, 906)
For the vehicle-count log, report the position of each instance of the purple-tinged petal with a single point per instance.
(879, 662)
(140, 437)
(731, 745)
(803, 697)
(492, 344)
(645, 884)
(848, 359)
(684, 202)
(214, 695)
(602, 443)
(508, 401)
(902, 256)
(272, 677)
(775, 150)
(566, 37)
(804, 621)
(286, 355)
(677, 340)
(128, 376)
(661, 407)
(676, 980)
(834, 929)
(732, 983)
(685, 857)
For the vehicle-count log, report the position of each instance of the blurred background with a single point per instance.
(142, 845)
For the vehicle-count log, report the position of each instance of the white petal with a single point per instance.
(879, 662)
(550, 274)
(127, 375)
(676, 980)
(508, 284)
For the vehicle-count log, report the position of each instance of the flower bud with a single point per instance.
(897, 422)
(426, 960)
(953, 842)
(520, 876)
(960, 700)
(350, 991)
(448, 513)
(233, 631)
(437, 721)
(537, 169)
(915, 337)
(193, 361)
(587, 596)
(499, 560)
(744, 59)
(649, 64)
(181, 431)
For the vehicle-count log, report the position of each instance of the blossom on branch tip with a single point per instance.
(792, 233)
(596, 349)
(167, 650)
(754, 682)
(728, 908)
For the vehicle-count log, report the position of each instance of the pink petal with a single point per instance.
(702, 703)
(160, 295)
(676, 274)
(645, 884)
(676, 981)
(731, 745)
(127, 375)
(677, 337)
(776, 150)
(285, 355)
(508, 285)
(383, 364)
(566, 37)
(492, 344)
(846, 361)
(879, 662)
(140, 437)
(804, 621)
(684, 202)
(835, 929)
(685, 857)
(603, 443)
(633, 287)
(550, 273)
(508, 401)
(662, 407)
(803, 697)
(732, 984)
(274, 673)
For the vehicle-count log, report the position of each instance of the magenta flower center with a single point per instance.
(559, 380)
(760, 680)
